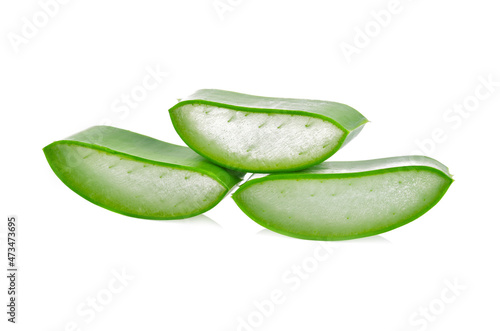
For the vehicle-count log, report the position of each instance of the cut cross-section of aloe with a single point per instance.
(137, 175)
(345, 200)
(261, 134)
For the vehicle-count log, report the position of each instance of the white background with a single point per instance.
(206, 273)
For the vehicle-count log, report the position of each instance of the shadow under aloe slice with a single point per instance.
(345, 200)
(261, 134)
(138, 176)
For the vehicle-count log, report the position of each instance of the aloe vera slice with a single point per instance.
(138, 176)
(261, 134)
(345, 200)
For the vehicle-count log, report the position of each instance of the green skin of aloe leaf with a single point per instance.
(138, 176)
(345, 200)
(262, 129)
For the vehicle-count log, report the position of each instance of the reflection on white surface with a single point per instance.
(378, 239)
(199, 220)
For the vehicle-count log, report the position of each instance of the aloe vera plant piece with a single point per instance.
(261, 134)
(345, 200)
(138, 176)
